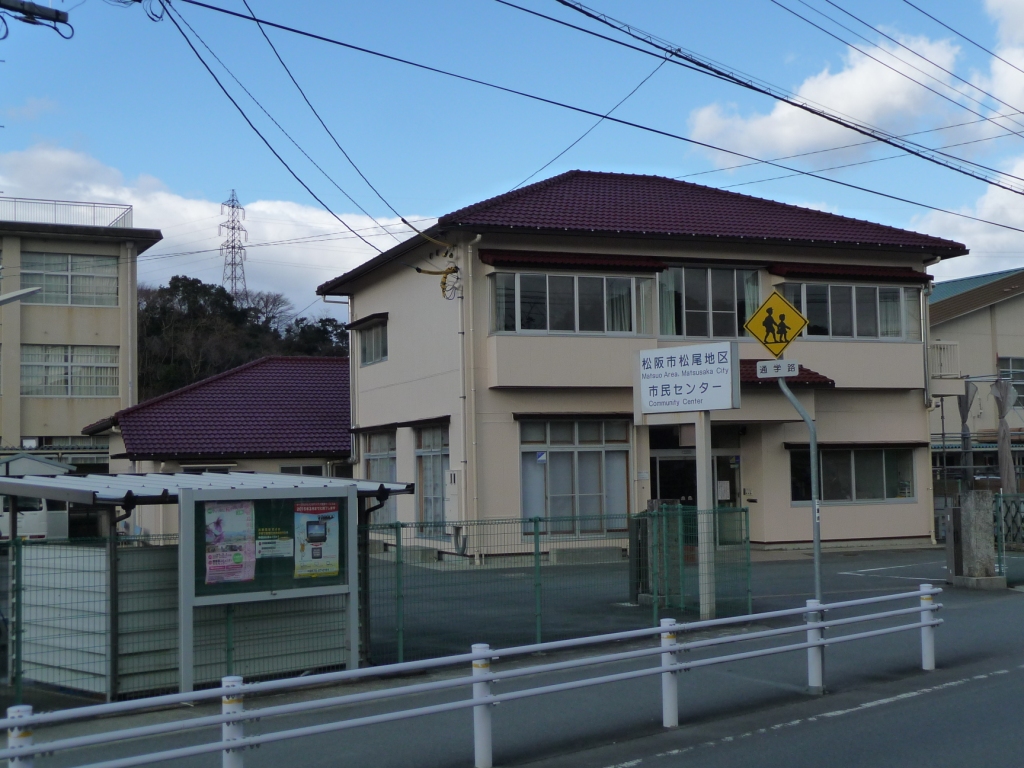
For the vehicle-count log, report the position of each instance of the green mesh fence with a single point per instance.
(693, 561)
(65, 629)
(1009, 531)
(432, 589)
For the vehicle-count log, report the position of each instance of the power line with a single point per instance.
(964, 167)
(965, 37)
(271, 118)
(582, 110)
(320, 119)
(170, 15)
(647, 52)
(862, 52)
(591, 128)
(920, 56)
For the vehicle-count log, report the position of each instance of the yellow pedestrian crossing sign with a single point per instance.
(775, 324)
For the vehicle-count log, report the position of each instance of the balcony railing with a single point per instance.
(29, 211)
(944, 360)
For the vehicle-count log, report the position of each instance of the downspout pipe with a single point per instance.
(468, 380)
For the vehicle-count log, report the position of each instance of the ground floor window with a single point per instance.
(315, 470)
(431, 470)
(576, 472)
(381, 467)
(860, 474)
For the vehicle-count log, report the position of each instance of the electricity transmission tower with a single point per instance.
(232, 249)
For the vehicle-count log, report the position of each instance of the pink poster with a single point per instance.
(230, 541)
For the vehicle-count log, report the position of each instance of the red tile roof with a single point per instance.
(587, 201)
(272, 407)
(807, 377)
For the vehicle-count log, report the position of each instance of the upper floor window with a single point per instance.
(702, 302)
(373, 344)
(1012, 368)
(857, 311)
(572, 303)
(70, 279)
(69, 371)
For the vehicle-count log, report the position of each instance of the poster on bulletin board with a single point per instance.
(317, 539)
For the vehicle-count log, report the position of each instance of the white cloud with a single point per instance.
(32, 109)
(1009, 16)
(862, 89)
(992, 248)
(191, 224)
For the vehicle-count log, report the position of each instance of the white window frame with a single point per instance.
(634, 314)
(378, 344)
(438, 457)
(67, 369)
(389, 512)
(912, 499)
(904, 306)
(1012, 368)
(741, 333)
(36, 277)
(604, 446)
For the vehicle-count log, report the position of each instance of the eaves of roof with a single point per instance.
(144, 239)
(970, 301)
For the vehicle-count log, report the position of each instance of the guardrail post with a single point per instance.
(927, 633)
(19, 737)
(816, 653)
(669, 680)
(537, 605)
(483, 753)
(232, 704)
(399, 595)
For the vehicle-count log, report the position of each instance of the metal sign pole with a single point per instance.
(705, 517)
(815, 485)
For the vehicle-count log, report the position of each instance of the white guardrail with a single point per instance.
(22, 724)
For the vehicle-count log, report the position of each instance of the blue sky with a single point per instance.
(125, 112)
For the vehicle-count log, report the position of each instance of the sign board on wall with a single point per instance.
(698, 377)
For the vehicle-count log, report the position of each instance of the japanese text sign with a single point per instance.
(700, 377)
(777, 369)
(775, 324)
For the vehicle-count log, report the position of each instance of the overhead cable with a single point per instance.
(582, 110)
(271, 118)
(875, 59)
(320, 119)
(964, 167)
(976, 44)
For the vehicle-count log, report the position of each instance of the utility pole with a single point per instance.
(232, 249)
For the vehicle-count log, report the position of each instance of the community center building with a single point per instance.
(507, 391)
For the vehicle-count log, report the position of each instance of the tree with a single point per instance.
(189, 330)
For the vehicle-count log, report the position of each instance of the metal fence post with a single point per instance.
(19, 737)
(232, 704)
(399, 594)
(669, 680)
(927, 633)
(681, 553)
(653, 569)
(746, 537)
(536, 576)
(229, 639)
(483, 752)
(815, 654)
(18, 593)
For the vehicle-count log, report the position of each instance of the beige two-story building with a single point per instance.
(68, 352)
(507, 392)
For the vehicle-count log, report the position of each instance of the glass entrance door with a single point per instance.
(727, 497)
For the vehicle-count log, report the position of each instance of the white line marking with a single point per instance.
(892, 567)
(919, 579)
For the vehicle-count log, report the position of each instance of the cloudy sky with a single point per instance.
(125, 112)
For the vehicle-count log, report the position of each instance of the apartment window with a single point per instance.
(703, 302)
(1012, 368)
(381, 468)
(310, 470)
(583, 304)
(373, 344)
(857, 311)
(70, 279)
(861, 474)
(431, 469)
(69, 371)
(575, 474)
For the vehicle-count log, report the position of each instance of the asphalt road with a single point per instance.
(880, 709)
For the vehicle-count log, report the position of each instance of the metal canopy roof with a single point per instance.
(156, 488)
